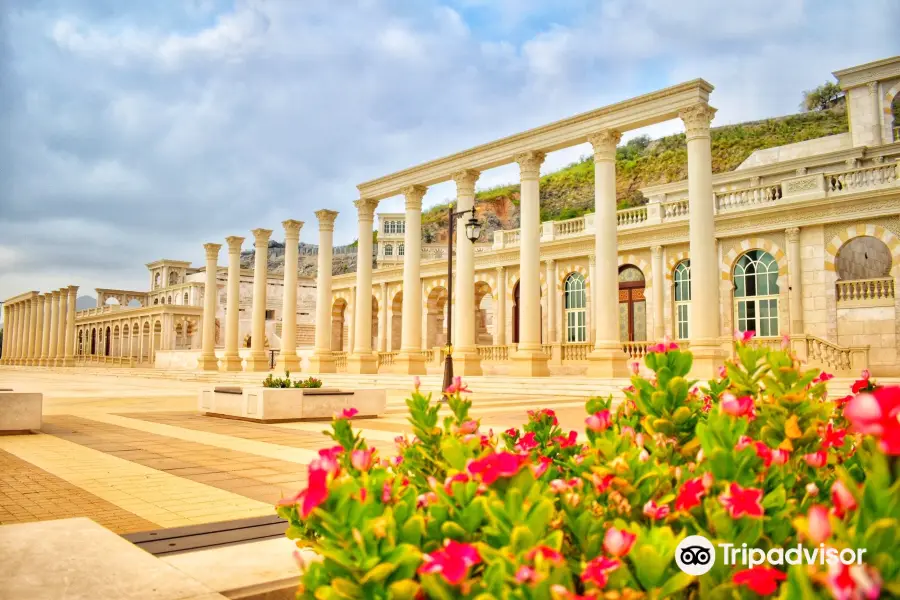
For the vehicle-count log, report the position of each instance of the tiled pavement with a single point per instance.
(136, 455)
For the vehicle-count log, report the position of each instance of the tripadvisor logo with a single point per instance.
(696, 555)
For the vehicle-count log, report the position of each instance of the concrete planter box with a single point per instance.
(20, 412)
(269, 405)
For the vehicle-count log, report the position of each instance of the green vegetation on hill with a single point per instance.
(641, 162)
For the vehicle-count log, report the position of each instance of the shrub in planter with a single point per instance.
(759, 456)
(285, 382)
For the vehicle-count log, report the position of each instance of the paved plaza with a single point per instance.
(133, 453)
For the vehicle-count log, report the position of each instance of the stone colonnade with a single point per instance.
(39, 329)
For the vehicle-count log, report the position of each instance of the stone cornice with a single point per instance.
(126, 313)
(886, 68)
(633, 113)
(19, 298)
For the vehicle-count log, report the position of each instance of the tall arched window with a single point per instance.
(756, 293)
(576, 309)
(185, 298)
(388, 250)
(401, 249)
(682, 277)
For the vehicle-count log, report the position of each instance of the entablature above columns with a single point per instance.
(86, 317)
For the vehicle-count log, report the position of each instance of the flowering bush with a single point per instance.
(285, 382)
(758, 456)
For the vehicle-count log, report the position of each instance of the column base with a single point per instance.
(529, 363)
(467, 363)
(708, 357)
(409, 364)
(322, 363)
(257, 362)
(286, 362)
(208, 363)
(608, 362)
(67, 362)
(362, 364)
(232, 362)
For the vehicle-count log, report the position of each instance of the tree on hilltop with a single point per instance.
(828, 95)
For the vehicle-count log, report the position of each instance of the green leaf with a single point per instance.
(675, 584)
(539, 517)
(403, 590)
(454, 453)
(379, 573)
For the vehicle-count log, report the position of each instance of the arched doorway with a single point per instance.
(93, 341)
(436, 317)
(484, 314)
(517, 319)
(80, 341)
(375, 320)
(396, 330)
(107, 347)
(145, 342)
(632, 304)
(338, 312)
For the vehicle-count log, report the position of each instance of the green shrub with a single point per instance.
(285, 382)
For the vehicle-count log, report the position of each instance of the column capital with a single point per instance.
(73, 290)
(292, 228)
(592, 260)
(55, 293)
(792, 234)
(550, 262)
(326, 219)
(501, 271)
(365, 208)
(465, 181)
(413, 195)
(656, 251)
(212, 250)
(873, 87)
(530, 164)
(261, 237)
(604, 143)
(697, 119)
(234, 243)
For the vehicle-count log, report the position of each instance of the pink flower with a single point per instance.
(331, 454)
(744, 441)
(832, 438)
(526, 574)
(601, 483)
(452, 562)
(425, 499)
(744, 336)
(853, 582)
(545, 553)
(527, 443)
(842, 499)
(558, 486)
(494, 466)
(764, 452)
(644, 456)
(567, 441)
(386, 495)
(348, 413)
(618, 542)
(737, 407)
(458, 478)
(320, 471)
(457, 386)
(540, 414)
(740, 501)
(512, 432)
(597, 571)
(780, 457)
(723, 372)
(878, 414)
(627, 431)
(539, 469)
(417, 383)
(468, 427)
(762, 580)
(664, 346)
(362, 459)
(656, 512)
(817, 459)
(818, 523)
(600, 421)
(785, 342)
(823, 377)
(862, 383)
(690, 493)
(812, 489)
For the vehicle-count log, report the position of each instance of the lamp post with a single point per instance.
(473, 231)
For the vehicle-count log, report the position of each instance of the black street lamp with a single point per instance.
(473, 231)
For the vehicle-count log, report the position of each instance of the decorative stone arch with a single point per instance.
(566, 270)
(640, 263)
(512, 280)
(863, 230)
(487, 278)
(673, 261)
(435, 283)
(887, 102)
(729, 260)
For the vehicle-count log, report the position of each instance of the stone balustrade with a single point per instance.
(631, 216)
(854, 180)
(386, 358)
(866, 292)
(576, 351)
(568, 228)
(494, 353)
(675, 209)
(748, 198)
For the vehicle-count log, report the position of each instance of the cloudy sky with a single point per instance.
(135, 130)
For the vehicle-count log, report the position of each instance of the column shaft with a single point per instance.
(61, 334)
(383, 319)
(69, 346)
(232, 358)
(529, 360)
(207, 360)
(500, 308)
(592, 314)
(16, 328)
(552, 311)
(54, 329)
(350, 313)
(410, 360)
(466, 361)
(257, 361)
(4, 349)
(363, 360)
(32, 328)
(38, 331)
(704, 310)
(795, 280)
(47, 328)
(287, 356)
(27, 339)
(659, 326)
(322, 360)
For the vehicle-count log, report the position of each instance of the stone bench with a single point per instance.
(274, 405)
(20, 412)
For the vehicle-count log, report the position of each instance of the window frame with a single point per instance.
(575, 308)
(763, 306)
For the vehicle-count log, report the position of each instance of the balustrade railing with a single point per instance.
(386, 358)
(831, 356)
(568, 228)
(857, 179)
(865, 290)
(631, 216)
(636, 350)
(90, 359)
(748, 197)
(576, 351)
(675, 209)
(493, 353)
(340, 361)
(511, 237)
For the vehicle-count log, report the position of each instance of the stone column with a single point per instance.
(16, 348)
(54, 328)
(232, 359)
(69, 346)
(322, 361)
(22, 321)
(27, 340)
(38, 329)
(592, 315)
(207, 360)
(466, 361)
(383, 318)
(704, 311)
(552, 311)
(607, 358)
(529, 360)
(31, 303)
(500, 308)
(45, 331)
(795, 279)
(410, 360)
(4, 350)
(287, 356)
(61, 334)
(363, 360)
(257, 361)
(656, 266)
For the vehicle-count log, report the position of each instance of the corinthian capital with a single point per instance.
(413, 195)
(292, 228)
(326, 219)
(697, 119)
(604, 143)
(465, 181)
(234, 244)
(792, 234)
(212, 250)
(530, 164)
(261, 237)
(365, 208)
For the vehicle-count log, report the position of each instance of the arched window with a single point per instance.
(401, 226)
(401, 249)
(388, 250)
(185, 298)
(170, 300)
(156, 301)
(576, 309)
(682, 277)
(756, 293)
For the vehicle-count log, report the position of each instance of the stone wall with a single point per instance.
(863, 258)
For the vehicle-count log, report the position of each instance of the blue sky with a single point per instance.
(139, 130)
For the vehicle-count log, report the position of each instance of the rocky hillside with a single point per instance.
(342, 262)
